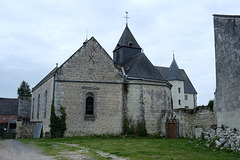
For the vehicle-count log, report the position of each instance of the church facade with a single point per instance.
(100, 93)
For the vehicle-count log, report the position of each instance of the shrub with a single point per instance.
(128, 129)
(57, 123)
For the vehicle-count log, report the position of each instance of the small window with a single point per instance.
(179, 102)
(179, 90)
(186, 97)
(89, 105)
(38, 106)
(45, 105)
(186, 107)
(33, 108)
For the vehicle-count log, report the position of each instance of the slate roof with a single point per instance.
(174, 72)
(8, 106)
(127, 39)
(188, 87)
(140, 67)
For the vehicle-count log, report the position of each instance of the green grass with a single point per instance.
(134, 148)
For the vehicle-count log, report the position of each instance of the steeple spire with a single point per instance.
(174, 72)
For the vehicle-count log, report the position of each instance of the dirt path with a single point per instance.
(15, 150)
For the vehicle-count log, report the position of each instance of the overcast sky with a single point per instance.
(35, 35)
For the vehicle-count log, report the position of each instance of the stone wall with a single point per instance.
(192, 124)
(24, 108)
(146, 102)
(227, 55)
(90, 71)
(41, 104)
(25, 129)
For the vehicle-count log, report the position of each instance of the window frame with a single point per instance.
(90, 116)
(38, 106)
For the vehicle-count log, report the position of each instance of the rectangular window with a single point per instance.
(186, 97)
(179, 102)
(179, 90)
(186, 107)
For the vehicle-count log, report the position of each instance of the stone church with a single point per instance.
(99, 92)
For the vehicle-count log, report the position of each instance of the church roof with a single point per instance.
(140, 67)
(8, 106)
(127, 40)
(174, 72)
(188, 87)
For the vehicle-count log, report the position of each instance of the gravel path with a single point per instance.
(15, 150)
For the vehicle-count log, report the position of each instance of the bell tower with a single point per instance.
(127, 46)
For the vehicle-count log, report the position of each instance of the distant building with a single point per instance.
(227, 55)
(184, 94)
(8, 114)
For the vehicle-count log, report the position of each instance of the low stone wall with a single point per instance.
(25, 129)
(193, 122)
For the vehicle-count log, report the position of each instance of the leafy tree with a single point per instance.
(24, 90)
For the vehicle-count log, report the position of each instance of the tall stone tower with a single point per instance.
(227, 55)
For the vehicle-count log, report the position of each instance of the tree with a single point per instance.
(24, 90)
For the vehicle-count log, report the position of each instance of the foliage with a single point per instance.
(24, 90)
(128, 128)
(57, 123)
(132, 148)
(141, 129)
(210, 105)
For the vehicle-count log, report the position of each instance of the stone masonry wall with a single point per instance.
(90, 71)
(25, 129)
(227, 55)
(45, 96)
(145, 101)
(191, 125)
(24, 107)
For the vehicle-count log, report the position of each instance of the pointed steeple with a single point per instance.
(127, 40)
(174, 72)
(126, 48)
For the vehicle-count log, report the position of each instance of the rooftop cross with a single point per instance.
(126, 17)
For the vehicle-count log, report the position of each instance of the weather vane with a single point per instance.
(126, 17)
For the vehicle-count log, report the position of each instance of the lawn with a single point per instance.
(133, 148)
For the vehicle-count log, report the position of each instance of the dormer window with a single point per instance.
(130, 43)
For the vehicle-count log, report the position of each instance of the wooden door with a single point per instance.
(172, 130)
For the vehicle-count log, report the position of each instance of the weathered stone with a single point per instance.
(227, 49)
(207, 145)
(218, 143)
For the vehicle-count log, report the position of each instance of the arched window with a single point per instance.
(45, 104)
(38, 106)
(89, 105)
